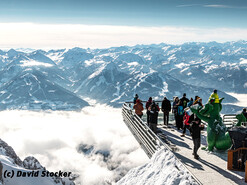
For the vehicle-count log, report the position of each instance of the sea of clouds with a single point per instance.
(56, 139)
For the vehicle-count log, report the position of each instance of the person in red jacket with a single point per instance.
(138, 108)
(187, 114)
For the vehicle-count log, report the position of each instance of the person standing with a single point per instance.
(244, 113)
(196, 128)
(214, 96)
(175, 110)
(138, 108)
(135, 98)
(148, 103)
(184, 101)
(187, 114)
(166, 108)
(190, 102)
(180, 115)
(153, 117)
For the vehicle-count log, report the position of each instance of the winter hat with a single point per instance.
(188, 111)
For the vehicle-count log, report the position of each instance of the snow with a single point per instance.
(28, 63)
(166, 48)
(209, 68)
(181, 65)
(172, 57)
(184, 69)
(243, 61)
(223, 64)
(96, 73)
(133, 64)
(9, 166)
(164, 89)
(201, 50)
(174, 50)
(163, 168)
(56, 57)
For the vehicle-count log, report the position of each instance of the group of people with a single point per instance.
(184, 118)
(152, 111)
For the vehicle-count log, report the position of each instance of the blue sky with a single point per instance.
(203, 13)
(104, 23)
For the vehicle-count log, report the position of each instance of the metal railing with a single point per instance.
(148, 140)
(229, 120)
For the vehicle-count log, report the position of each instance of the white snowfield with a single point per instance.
(163, 168)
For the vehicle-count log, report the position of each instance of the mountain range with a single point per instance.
(60, 79)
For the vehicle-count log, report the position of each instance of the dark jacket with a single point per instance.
(245, 114)
(184, 101)
(175, 107)
(196, 126)
(135, 98)
(166, 105)
(153, 113)
(149, 102)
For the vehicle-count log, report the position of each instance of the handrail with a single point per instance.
(148, 140)
(229, 119)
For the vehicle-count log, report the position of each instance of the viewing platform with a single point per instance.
(210, 168)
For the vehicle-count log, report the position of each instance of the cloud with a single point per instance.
(212, 6)
(55, 139)
(188, 5)
(224, 6)
(30, 35)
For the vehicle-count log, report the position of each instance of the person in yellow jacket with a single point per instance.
(214, 96)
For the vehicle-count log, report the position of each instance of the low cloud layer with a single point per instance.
(30, 35)
(94, 143)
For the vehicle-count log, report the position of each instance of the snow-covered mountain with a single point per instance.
(29, 167)
(31, 90)
(114, 75)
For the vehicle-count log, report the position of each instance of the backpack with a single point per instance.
(180, 110)
(184, 103)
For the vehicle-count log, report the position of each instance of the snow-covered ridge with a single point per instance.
(163, 168)
(114, 75)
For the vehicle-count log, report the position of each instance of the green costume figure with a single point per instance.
(217, 134)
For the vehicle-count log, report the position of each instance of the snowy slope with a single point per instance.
(20, 170)
(163, 168)
(31, 90)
